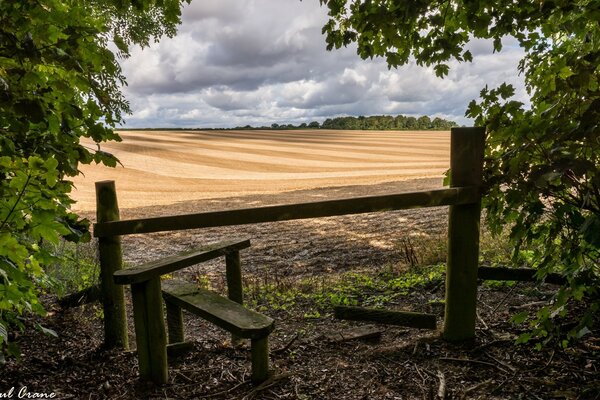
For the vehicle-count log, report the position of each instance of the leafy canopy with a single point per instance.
(59, 81)
(542, 161)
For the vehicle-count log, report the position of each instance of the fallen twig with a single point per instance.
(510, 292)
(490, 344)
(272, 381)
(225, 391)
(477, 387)
(442, 388)
(467, 360)
(287, 345)
(508, 366)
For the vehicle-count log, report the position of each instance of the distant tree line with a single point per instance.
(374, 122)
(388, 122)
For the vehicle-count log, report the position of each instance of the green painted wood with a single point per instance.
(516, 274)
(400, 318)
(227, 314)
(234, 283)
(174, 323)
(179, 261)
(466, 164)
(259, 349)
(110, 257)
(329, 208)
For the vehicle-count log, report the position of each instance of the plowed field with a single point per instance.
(166, 167)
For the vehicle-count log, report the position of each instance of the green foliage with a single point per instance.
(541, 169)
(319, 296)
(59, 82)
(75, 267)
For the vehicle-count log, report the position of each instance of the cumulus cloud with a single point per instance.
(257, 62)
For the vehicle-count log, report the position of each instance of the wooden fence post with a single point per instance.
(109, 249)
(466, 165)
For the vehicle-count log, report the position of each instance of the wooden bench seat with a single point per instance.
(227, 313)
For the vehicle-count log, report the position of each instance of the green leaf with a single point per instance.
(447, 177)
(47, 331)
(519, 318)
(3, 334)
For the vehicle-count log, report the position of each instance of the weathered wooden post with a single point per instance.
(150, 334)
(466, 165)
(234, 283)
(109, 249)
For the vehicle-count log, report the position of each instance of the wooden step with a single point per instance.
(169, 264)
(227, 314)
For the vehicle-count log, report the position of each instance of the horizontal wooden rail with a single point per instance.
(328, 208)
(176, 262)
(517, 274)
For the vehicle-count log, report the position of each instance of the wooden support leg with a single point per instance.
(260, 359)
(174, 323)
(234, 283)
(150, 332)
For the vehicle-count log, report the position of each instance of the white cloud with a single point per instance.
(239, 62)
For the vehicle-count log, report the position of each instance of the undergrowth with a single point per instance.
(421, 267)
(78, 268)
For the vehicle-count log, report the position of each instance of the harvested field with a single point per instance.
(165, 167)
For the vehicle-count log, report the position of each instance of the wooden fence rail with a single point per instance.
(317, 209)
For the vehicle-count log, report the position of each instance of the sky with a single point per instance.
(259, 62)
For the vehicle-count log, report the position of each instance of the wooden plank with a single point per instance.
(173, 263)
(516, 274)
(466, 165)
(329, 208)
(401, 318)
(111, 260)
(227, 314)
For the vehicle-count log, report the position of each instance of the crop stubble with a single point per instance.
(166, 167)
